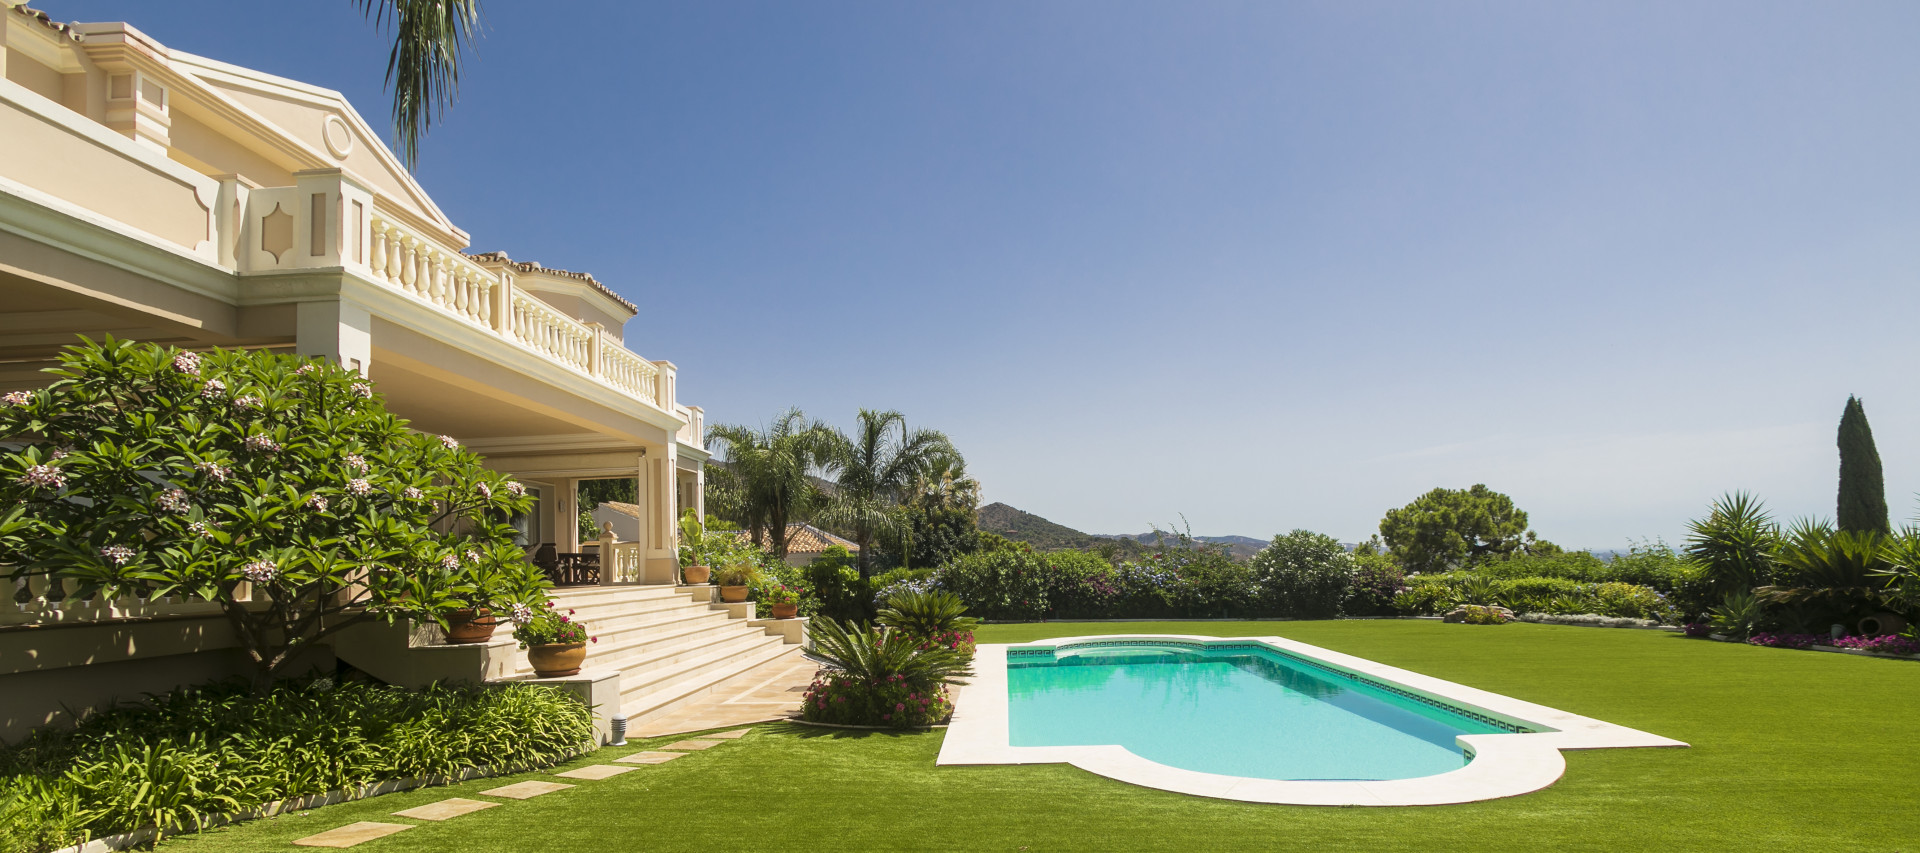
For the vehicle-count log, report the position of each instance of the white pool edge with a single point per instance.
(1503, 765)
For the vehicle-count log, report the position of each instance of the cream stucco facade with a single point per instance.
(158, 196)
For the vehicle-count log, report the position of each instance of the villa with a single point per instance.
(158, 196)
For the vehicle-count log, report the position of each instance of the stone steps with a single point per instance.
(669, 644)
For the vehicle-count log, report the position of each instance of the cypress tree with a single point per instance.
(1863, 491)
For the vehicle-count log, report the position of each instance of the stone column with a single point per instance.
(338, 330)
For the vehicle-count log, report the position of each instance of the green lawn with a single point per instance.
(1791, 751)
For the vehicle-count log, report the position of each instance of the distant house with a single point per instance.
(622, 518)
(804, 542)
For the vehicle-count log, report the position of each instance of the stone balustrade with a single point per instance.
(39, 600)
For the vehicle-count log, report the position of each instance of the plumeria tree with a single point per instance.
(277, 486)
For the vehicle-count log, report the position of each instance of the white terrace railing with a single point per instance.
(327, 220)
(38, 600)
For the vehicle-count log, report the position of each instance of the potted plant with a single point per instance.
(470, 625)
(556, 643)
(783, 600)
(696, 549)
(736, 576)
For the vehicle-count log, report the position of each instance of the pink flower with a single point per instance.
(593, 639)
(484, 490)
(119, 555)
(450, 562)
(515, 489)
(202, 529)
(520, 614)
(447, 442)
(246, 401)
(260, 571)
(174, 501)
(413, 494)
(212, 389)
(17, 398)
(362, 390)
(356, 462)
(261, 443)
(359, 486)
(188, 363)
(216, 472)
(317, 503)
(304, 369)
(886, 716)
(566, 618)
(899, 706)
(43, 477)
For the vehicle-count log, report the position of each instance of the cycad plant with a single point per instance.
(933, 617)
(1833, 573)
(1735, 542)
(877, 656)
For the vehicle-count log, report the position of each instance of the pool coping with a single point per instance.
(1503, 765)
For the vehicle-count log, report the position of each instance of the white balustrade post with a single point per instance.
(502, 298)
(609, 565)
(594, 364)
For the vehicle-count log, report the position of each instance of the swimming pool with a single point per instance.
(1242, 709)
(1261, 719)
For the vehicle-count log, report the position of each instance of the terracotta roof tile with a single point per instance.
(21, 8)
(808, 539)
(533, 266)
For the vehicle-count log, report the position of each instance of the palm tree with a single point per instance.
(429, 37)
(767, 477)
(945, 485)
(874, 468)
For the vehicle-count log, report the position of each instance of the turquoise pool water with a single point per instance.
(1245, 710)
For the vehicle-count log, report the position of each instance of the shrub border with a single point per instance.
(147, 834)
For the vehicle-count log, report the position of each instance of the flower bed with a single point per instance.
(1887, 645)
(1785, 641)
(842, 699)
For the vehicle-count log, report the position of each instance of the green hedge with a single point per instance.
(1438, 593)
(175, 758)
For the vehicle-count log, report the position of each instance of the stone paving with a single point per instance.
(363, 831)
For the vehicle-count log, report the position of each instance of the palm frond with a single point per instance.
(429, 38)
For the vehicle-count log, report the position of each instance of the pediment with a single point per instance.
(316, 128)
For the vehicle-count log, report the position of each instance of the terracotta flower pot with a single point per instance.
(698, 574)
(733, 594)
(786, 611)
(470, 626)
(556, 659)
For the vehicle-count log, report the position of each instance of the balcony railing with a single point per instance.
(328, 220)
(39, 600)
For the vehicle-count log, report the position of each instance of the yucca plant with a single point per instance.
(1900, 571)
(1735, 542)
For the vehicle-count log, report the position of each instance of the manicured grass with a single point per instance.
(1792, 751)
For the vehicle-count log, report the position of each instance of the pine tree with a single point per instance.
(1863, 491)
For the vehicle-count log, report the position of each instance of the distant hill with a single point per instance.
(1022, 526)
(1238, 547)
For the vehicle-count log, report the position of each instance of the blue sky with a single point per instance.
(1268, 265)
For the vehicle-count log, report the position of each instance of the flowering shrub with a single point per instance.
(842, 699)
(1786, 641)
(1303, 574)
(1436, 593)
(779, 594)
(1891, 644)
(160, 472)
(547, 627)
(1376, 580)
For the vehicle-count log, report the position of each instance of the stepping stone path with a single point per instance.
(352, 834)
(650, 757)
(445, 809)
(596, 772)
(527, 790)
(366, 830)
